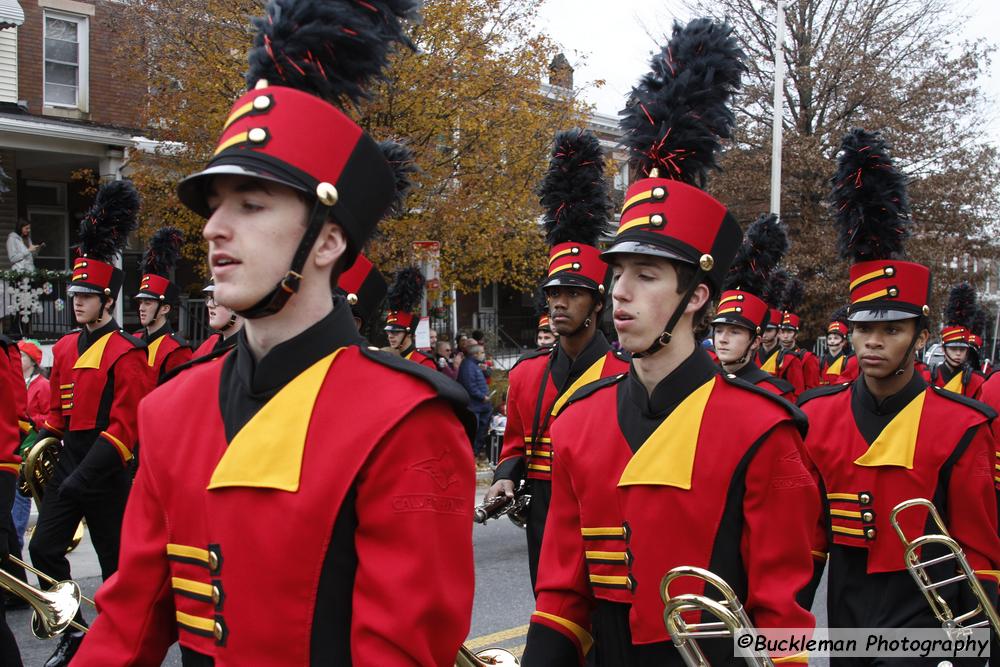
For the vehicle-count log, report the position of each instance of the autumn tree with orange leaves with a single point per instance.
(468, 101)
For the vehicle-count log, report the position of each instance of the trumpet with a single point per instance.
(732, 618)
(954, 625)
(516, 508)
(54, 609)
(489, 656)
(39, 467)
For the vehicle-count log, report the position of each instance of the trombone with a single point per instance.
(489, 656)
(54, 609)
(953, 625)
(732, 622)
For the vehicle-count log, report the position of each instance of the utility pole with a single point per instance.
(779, 78)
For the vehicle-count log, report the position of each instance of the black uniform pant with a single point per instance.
(538, 511)
(856, 599)
(9, 655)
(103, 507)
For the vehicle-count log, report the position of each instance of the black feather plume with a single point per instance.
(763, 248)
(679, 111)
(574, 192)
(539, 303)
(775, 290)
(794, 296)
(104, 230)
(869, 199)
(840, 315)
(163, 252)
(961, 308)
(400, 158)
(407, 290)
(329, 48)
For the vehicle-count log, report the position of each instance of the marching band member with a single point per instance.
(404, 297)
(574, 195)
(364, 289)
(671, 463)
(771, 356)
(10, 440)
(788, 331)
(300, 433)
(889, 437)
(158, 296)
(224, 322)
(839, 364)
(742, 314)
(957, 374)
(99, 374)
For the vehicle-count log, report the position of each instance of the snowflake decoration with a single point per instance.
(26, 301)
(59, 305)
(47, 288)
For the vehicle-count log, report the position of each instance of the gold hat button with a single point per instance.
(261, 103)
(656, 219)
(659, 193)
(327, 193)
(352, 299)
(216, 595)
(257, 135)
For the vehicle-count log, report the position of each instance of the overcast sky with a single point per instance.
(611, 40)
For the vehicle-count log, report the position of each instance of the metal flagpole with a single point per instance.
(779, 77)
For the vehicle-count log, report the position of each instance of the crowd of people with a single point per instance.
(288, 461)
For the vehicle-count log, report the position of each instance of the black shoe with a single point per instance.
(68, 645)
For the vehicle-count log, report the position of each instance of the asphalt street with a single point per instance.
(503, 602)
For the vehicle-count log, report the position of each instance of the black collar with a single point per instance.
(162, 331)
(408, 351)
(565, 371)
(693, 372)
(287, 360)
(946, 371)
(751, 373)
(872, 416)
(88, 338)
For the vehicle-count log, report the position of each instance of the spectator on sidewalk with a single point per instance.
(20, 250)
(443, 357)
(471, 377)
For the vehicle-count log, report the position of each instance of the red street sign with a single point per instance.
(427, 246)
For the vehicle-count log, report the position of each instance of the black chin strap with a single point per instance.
(908, 355)
(290, 284)
(230, 324)
(745, 359)
(664, 338)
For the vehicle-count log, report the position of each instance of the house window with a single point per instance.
(66, 60)
(46, 208)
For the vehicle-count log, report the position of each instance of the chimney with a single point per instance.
(561, 72)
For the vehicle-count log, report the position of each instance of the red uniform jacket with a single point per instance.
(718, 483)
(966, 380)
(924, 371)
(39, 399)
(784, 365)
(10, 437)
(165, 351)
(213, 343)
(344, 505)
(839, 369)
(810, 367)
(938, 447)
(12, 370)
(990, 395)
(82, 395)
(527, 447)
(756, 376)
(422, 358)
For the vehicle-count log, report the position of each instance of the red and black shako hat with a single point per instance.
(157, 264)
(364, 288)
(673, 124)
(742, 303)
(791, 301)
(838, 322)
(309, 58)
(959, 314)
(574, 194)
(873, 213)
(405, 294)
(104, 233)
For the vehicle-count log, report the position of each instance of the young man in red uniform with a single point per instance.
(839, 364)
(771, 356)
(672, 463)
(404, 297)
(742, 314)
(788, 331)
(329, 480)
(157, 298)
(889, 437)
(222, 320)
(10, 462)
(542, 380)
(99, 374)
(956, 373)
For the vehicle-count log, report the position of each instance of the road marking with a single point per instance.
(496, 638)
